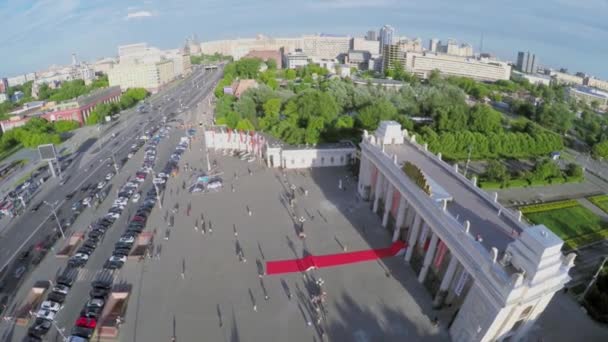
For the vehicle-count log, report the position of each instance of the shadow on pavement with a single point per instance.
(86, 145)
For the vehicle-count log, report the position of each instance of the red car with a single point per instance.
(86, 322)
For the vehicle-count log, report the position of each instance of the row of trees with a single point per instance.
(129, 99)
(35, 132)
(70, 89)
(545, 171)
(203, 59)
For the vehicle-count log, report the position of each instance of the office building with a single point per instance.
(589, 96)
(526, 62)
(387, 36)
(104, 65)
(371, 35)
(358, 59)
(3, 85)
(150, 76)
(371, 46)
(422, 64)
(294, 60)
(596, 83)
(561, 77)
(326, 46)
(433, 43)
(410, 45)
(181, 61)
(532, 78)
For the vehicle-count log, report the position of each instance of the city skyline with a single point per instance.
(40, 33)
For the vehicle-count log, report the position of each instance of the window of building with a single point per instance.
(322, 160)
(341, 159)
(331, 160)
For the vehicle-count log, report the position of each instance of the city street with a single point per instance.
(31, 228)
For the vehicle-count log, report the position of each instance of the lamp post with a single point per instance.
(56, 218)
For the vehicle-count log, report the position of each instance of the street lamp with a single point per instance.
(466, 168)
(56, 218)
(160, 205)
(59, 330)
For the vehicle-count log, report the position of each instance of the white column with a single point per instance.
(400, 219)
(413, 236)
(378, 191)
(388, 203)
(445, 282)
(428, 258)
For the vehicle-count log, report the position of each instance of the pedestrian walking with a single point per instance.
(196, 225)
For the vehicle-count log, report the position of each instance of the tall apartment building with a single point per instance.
(3, 85)
(526, 62)
(294, 60)
(392, 55)
(326, 46)
(422, 64)
(363, 44)
(371, 35)
(387, 36)
(433, 43)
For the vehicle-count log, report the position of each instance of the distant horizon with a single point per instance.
(561, 33)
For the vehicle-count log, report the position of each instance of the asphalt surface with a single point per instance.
(91, 167)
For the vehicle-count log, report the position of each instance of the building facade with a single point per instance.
(422, 64)
(387, 36)
(362, 44)
(392, 55)
(78, 109)
(326, 47)
(3, 85)
(294, 60)
(150, 76)
(596, 83)
(497, 285)
(371, 35)
(527, 62)
(561, 77)
(589, 96)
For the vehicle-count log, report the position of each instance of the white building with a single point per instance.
(362, 44)
(104, 65)
(326, 47)
(565, 78)
(495, 272)
(3, 97)
(589, 96)
(277, 154)
(596, 83)
(532, 78)
(151, 76)
(237, 48)
(181, 61)
(294, 60)
(422, 64)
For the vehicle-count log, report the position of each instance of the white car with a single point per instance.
(45, 314)
(109, 176)
(163, 175)
(127, 239)
(132, 184)
(113, 215)
(130, 155)
(50, 305)
(101, 184)
(119, 258)
(214, 185)
(95, 302)
(81, 256)
(135, 198)
(87, 201)
(158, 180)
(121, 202)
(61, 289)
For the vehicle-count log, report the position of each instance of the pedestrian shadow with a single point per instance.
(234, 329)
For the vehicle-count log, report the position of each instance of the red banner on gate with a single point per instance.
(441, 252)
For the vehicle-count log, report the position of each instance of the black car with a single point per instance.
(121, 244)
(91, 243)
(67, 278)
(91, 312)
(76, 263)
(112, 265)
(85, 188)
(121, 251)
(70, 195)
(83, 332)
(99, 292)
(40, 327)
(95, 233)
(56, 297)
(85, 250)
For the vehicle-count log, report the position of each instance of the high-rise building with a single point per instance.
(3, 85)
(433, 43)
(326, 46)
(387, 36)
(526, 62)
(360, 44)
(371, 35)
(422, 64)
(392, 55)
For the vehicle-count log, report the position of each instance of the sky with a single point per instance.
(562, 33)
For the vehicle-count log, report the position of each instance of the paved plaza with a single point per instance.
(221, 298)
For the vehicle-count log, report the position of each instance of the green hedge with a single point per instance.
(537, 208)
(524, 183)
(600, 201)
(585, 239)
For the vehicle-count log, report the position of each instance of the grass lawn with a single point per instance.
(576, 225)
(600, 201)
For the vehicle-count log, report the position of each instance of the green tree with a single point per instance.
(245, 125)
(484, 119)
(600, 150)
(271, 64)
(574, 170)
(546, 169)
(290, 74)
(344, 121)
(62, 126)
(496, 171)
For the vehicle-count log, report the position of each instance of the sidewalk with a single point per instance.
(597, 211)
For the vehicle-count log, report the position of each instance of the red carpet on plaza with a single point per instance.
(330, 260)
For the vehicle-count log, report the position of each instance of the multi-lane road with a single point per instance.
(90, 167)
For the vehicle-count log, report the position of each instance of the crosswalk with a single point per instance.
(86, 275)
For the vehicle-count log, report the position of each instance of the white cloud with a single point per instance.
(139, 14)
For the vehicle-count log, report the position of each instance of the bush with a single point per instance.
(537, 208)
(65, 125)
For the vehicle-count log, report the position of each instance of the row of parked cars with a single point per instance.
(101, 288)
